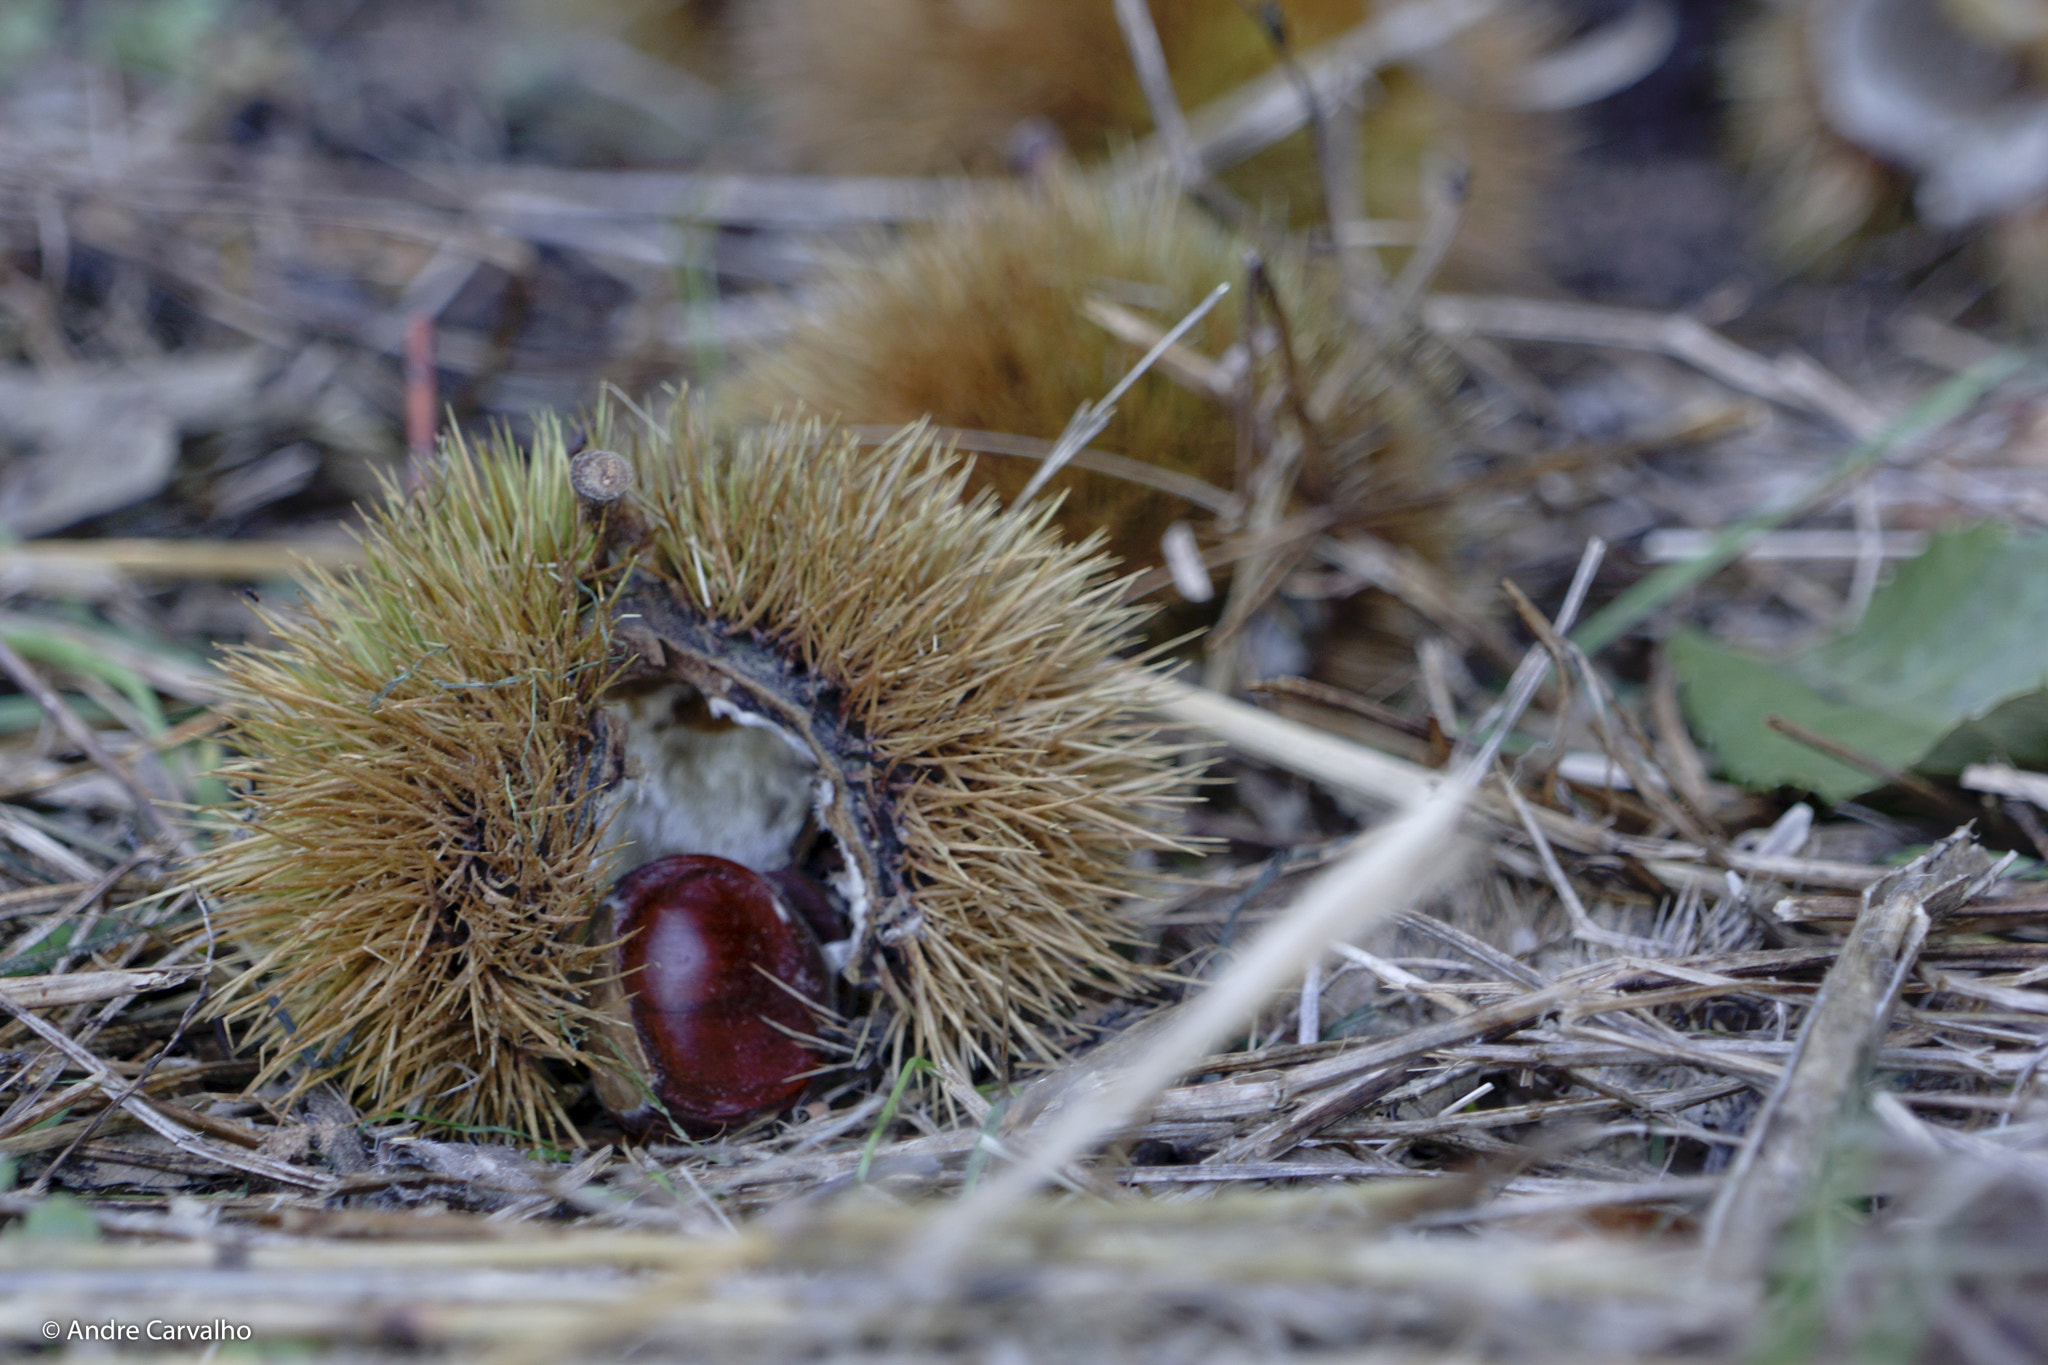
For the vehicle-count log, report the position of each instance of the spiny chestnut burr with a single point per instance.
(718, 981)
(987, 320)
(810, 657)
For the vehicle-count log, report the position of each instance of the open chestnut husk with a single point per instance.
(717, 982)
(782, 647)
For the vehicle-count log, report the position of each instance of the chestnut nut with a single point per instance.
(717, 980)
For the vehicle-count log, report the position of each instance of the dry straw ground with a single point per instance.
(1510, 1033)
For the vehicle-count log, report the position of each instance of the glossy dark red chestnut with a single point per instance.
(715, 969)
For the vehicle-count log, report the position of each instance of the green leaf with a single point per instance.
(1949, 666)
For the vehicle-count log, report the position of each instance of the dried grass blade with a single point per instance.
(185, 559)
(1789, 1136)
(1186, 487)
(1088, 423)
(1299, 748)
(1683, 338)
(84, 988)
